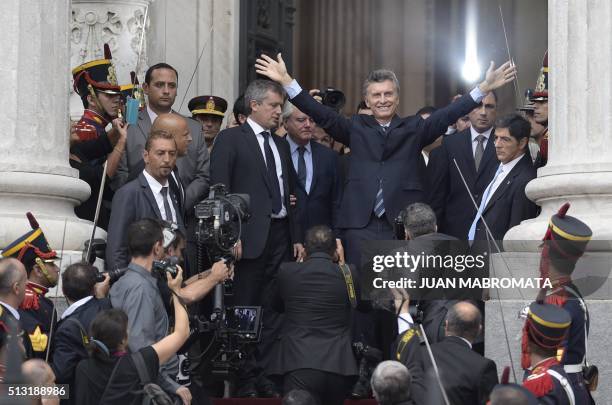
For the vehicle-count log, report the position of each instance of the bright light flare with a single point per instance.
(471, 68)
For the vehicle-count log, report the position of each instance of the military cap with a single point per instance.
(528, 104)
(547, 325)
(567, 236)
(541, 91)
(99, 74)
(211, 105)
(31, 246)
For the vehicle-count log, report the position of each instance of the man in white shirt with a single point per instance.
(148, 196)
(503, 203)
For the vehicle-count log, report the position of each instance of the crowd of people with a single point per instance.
(319, 185)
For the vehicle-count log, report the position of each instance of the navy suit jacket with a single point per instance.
(236, 161)
(392, 159)
(448, 195)
(320, 206)
(132, 202)
(509, 205)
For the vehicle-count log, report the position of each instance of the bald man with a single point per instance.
(177, 126)
(13, 279)
(463, 385)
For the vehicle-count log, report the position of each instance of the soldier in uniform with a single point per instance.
(545, 329)
(37, 313)
(209, 111)
(540, 111)
(564, 243)
(96, 83)
(537, 130)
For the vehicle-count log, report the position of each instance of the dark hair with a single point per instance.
(178, 238)
(320, 239)
(539, 350)
(428, 109)
(258, 89)
(510, 394)
(240, 107)
(298, 397)
(517, 125)
(419, 219)
(109, 327)
(142, 235)
(78, 280)
(465, 324)
(158, 134)
(361, 106)
(155, 67)
(9, 274)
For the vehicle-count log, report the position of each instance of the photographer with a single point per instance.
(110, 375)
(198, 286)
(315, 351)
(86, 299)
(137, 294)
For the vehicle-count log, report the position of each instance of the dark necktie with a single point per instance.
(479, 150)
(168, 211)
(176, 186)
(272, 177)
(301, 172)
(379, 203)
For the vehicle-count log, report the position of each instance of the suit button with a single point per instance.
(476, 196)
(382, 163)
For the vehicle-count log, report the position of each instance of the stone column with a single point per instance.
(579, 168)
(34, 171)
(118, 23)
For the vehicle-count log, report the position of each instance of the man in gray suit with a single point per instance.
(192, 170)
(160, 87)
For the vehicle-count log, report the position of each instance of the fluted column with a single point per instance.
(34, 171)
(579, 168)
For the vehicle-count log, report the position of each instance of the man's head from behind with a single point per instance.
(464, 320)
(159, 155)
(320, 239)
(145, 238)
(298, 397)
(78, 281)
(419, 219)
(381, 94)
(299, 126)
(483, 117)
(391, 383)
(13, 279)
(512, 394)
(160, 86)
(511, 137)
(178, 127)
(264, 100)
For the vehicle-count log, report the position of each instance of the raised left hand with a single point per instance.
(299, 253)
(273, 69)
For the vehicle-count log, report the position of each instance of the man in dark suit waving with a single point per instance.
(314, 352)
(249, 159)
(474, 151)
(317, 188)
(385, 172)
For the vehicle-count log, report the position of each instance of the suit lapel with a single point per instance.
(505, 185)
(469, 165)
(144, 123)
(149, 195)
(253, 146)
(390, 137)
(315, 164)
(281, 147)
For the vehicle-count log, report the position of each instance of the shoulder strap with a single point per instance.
(350, 286)
(565, 384)
(84, 336)
(110, 379)
(141, 368)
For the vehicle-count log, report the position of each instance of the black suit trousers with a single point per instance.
(327, 388)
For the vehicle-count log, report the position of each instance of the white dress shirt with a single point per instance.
(156, 188)
(505, 169)
(258, 129)
(12, 310)
(75, 305)
(486, 134)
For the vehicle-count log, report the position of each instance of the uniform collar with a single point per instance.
(95, 117)
(37, 288)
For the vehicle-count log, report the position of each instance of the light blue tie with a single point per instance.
(483, 204)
